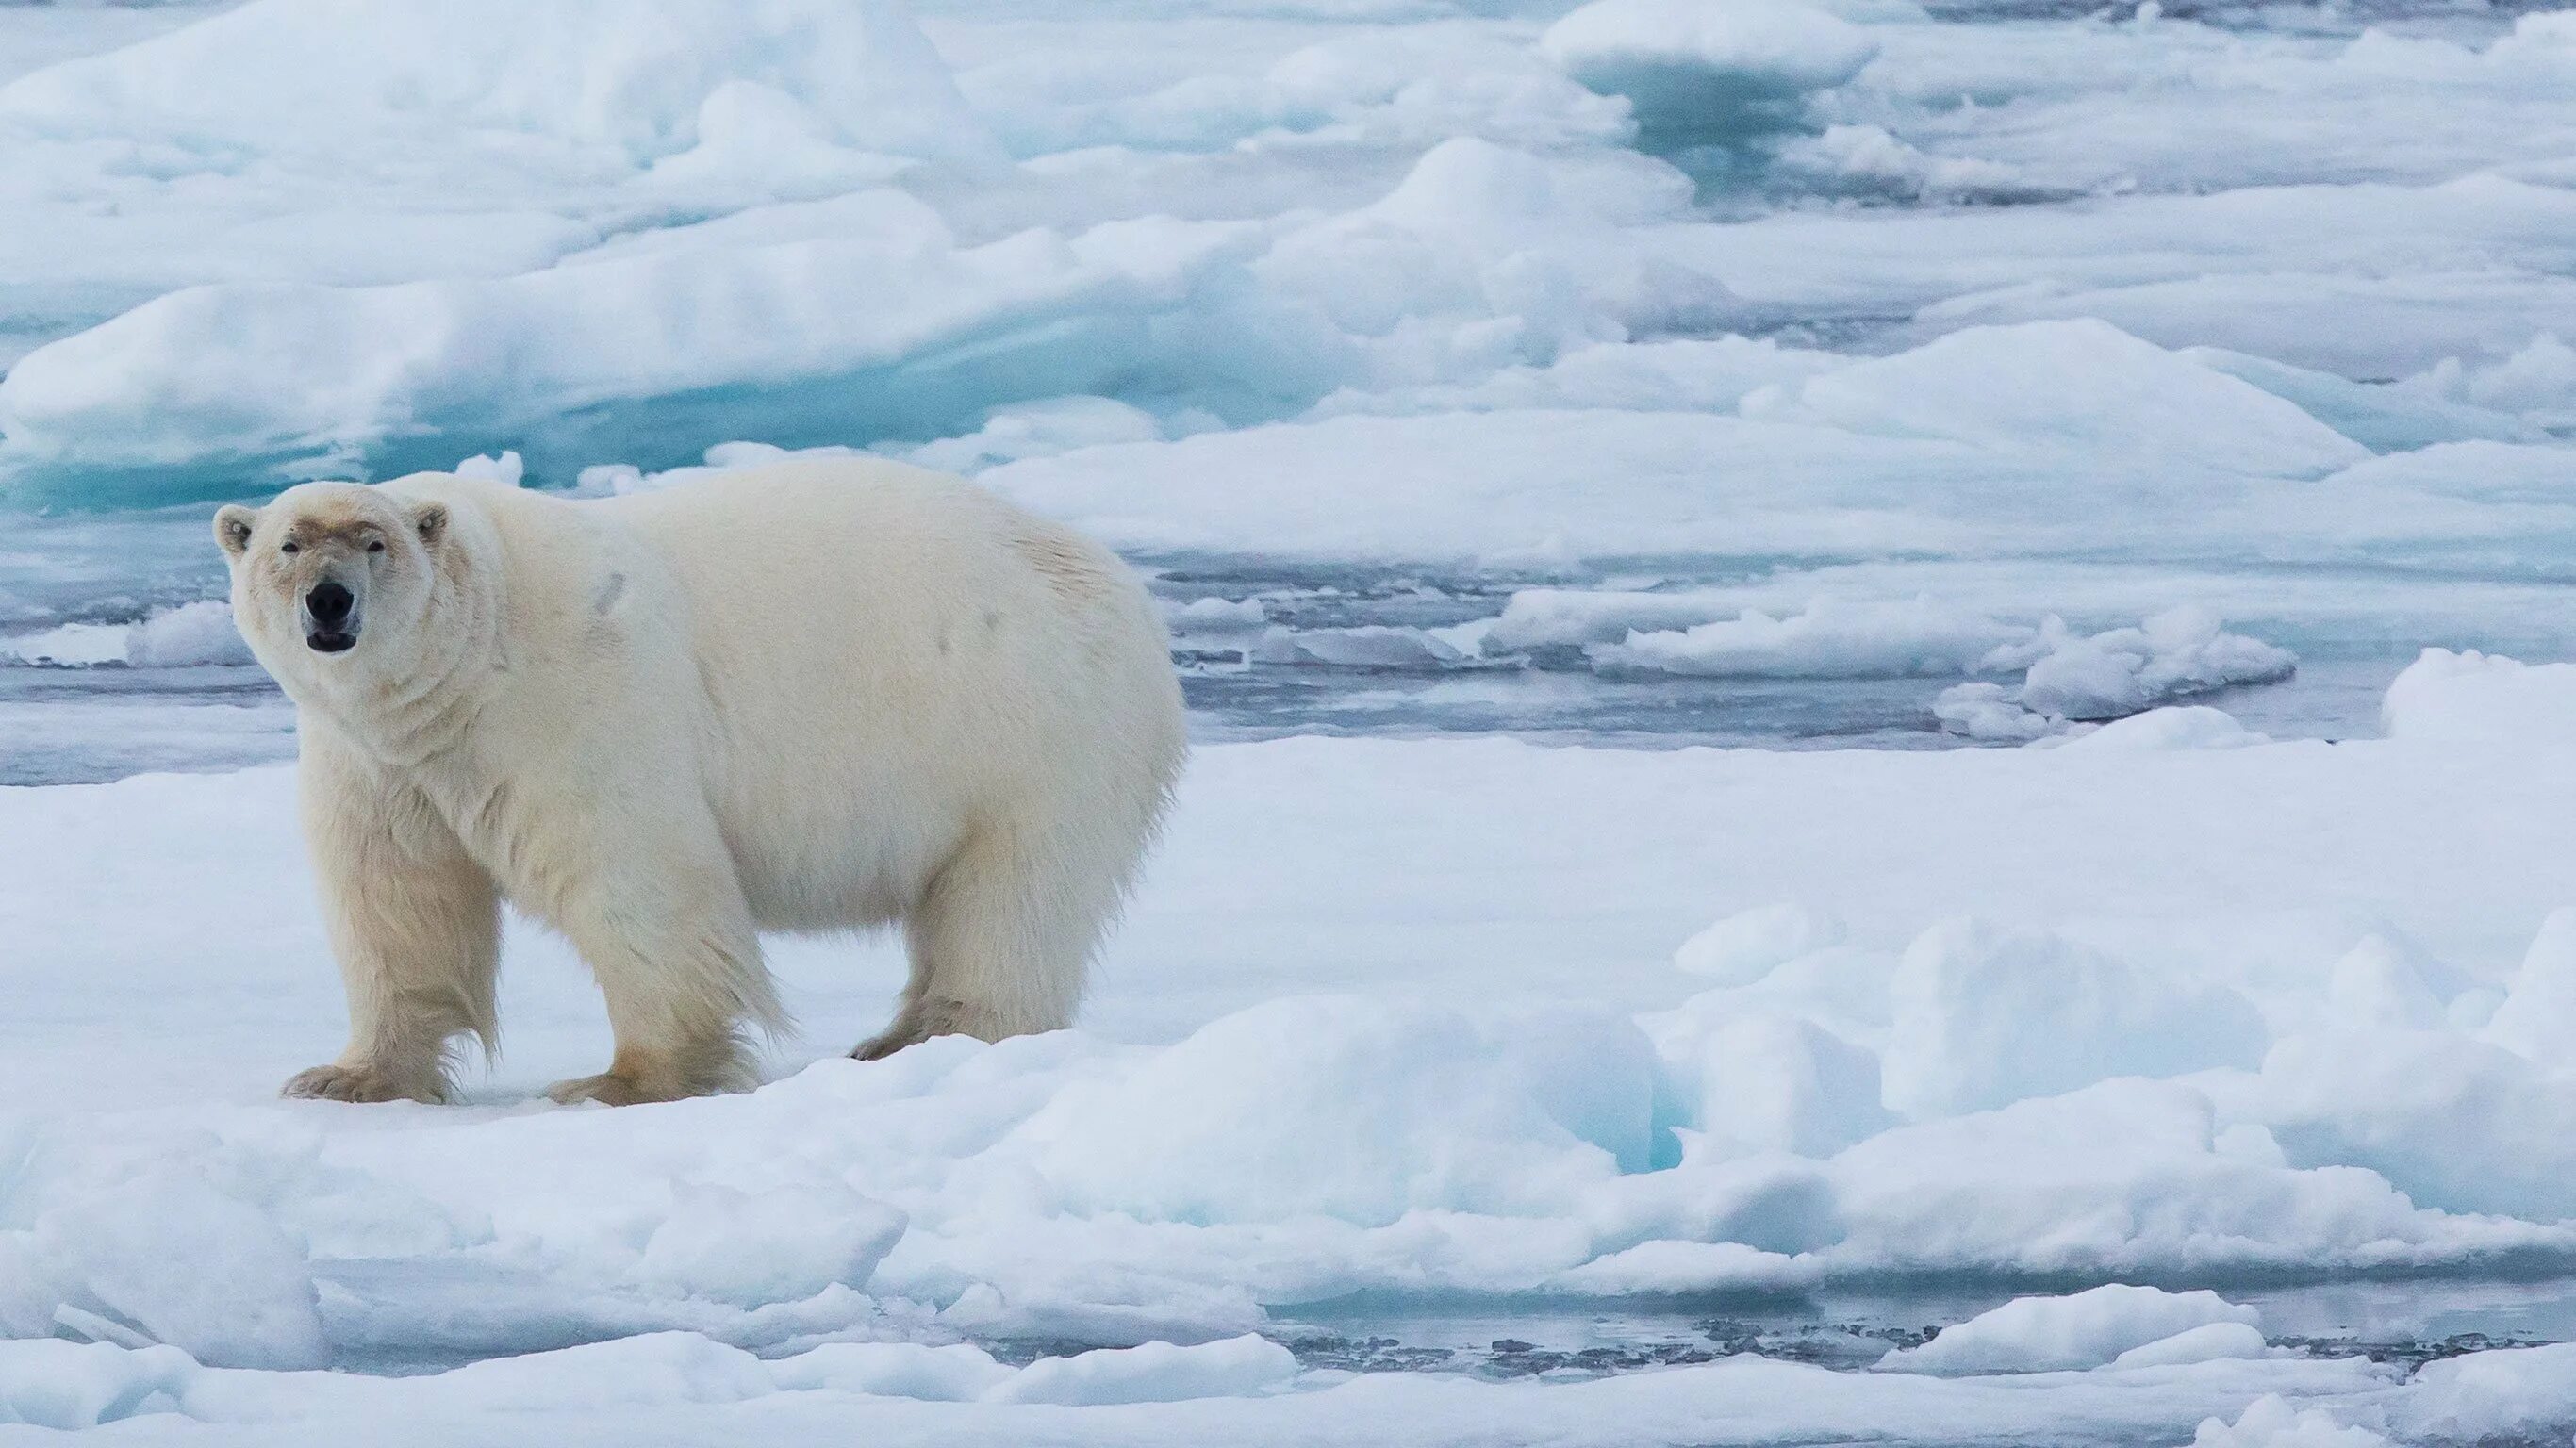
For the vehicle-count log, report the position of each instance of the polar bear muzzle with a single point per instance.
(330, 617)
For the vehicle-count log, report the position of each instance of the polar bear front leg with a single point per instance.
(671, 942)
(414, 921)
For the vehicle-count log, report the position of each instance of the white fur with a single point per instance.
(810, 697)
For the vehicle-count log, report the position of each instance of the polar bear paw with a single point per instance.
(930, 1017)
(608, 1088)
(338, 1082)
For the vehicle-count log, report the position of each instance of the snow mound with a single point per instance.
(2060, 387)
(2184, 726)
(1265, 1113)
(1985, 1016)
(2475, 698)
(1155, 1372)
(2087, 1330)
(1699, 72)
(646, 78)
(2272, 1421)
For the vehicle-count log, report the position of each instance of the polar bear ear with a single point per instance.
(429, 520)
(233, 525)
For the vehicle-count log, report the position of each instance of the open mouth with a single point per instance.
(331, 643)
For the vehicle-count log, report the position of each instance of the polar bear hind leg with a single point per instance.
(1003, 939)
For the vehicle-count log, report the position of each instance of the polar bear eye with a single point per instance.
(289, 547)
(375, 545)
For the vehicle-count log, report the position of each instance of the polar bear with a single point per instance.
(811, 696)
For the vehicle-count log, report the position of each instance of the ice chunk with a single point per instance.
(2474, 698)
(1744, 947)
(780, 1244)
(639, 76)
(1866, 160)
(2383, 417)
(1761, 1081)
(2173, 655)
(956, 1373)
(2182, 726)
(1156, 1372)
(192, 633)
(1550, 620)
(172, 638)
(2493, 1396)
(166, 1258)
(1038, 429)
(1831, 639)
(2457, 1124)
(1990, 712)
(2053, 1334)
(1679, 374)
(2377, 984)
(1368, 646)
(2272, 1421)
(506, 468)
(2059, 385)
(2214, 1342)
(312, 374)
(1985, 1016)
(1485, 257)
(2536, 384)
(1698, 73)
(2538, 1015)
(1216, 616)
(70, 1386)
(70, 645)
(2067, 676)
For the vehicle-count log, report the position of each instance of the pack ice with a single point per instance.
(2082, 369)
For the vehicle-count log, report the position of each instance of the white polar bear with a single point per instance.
(807, 697)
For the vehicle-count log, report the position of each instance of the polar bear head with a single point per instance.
(336, 581)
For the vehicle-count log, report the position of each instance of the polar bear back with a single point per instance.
(884, 662)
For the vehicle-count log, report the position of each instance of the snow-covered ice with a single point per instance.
(1392, 1018)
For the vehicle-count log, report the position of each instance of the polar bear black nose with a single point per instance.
(329, 604)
